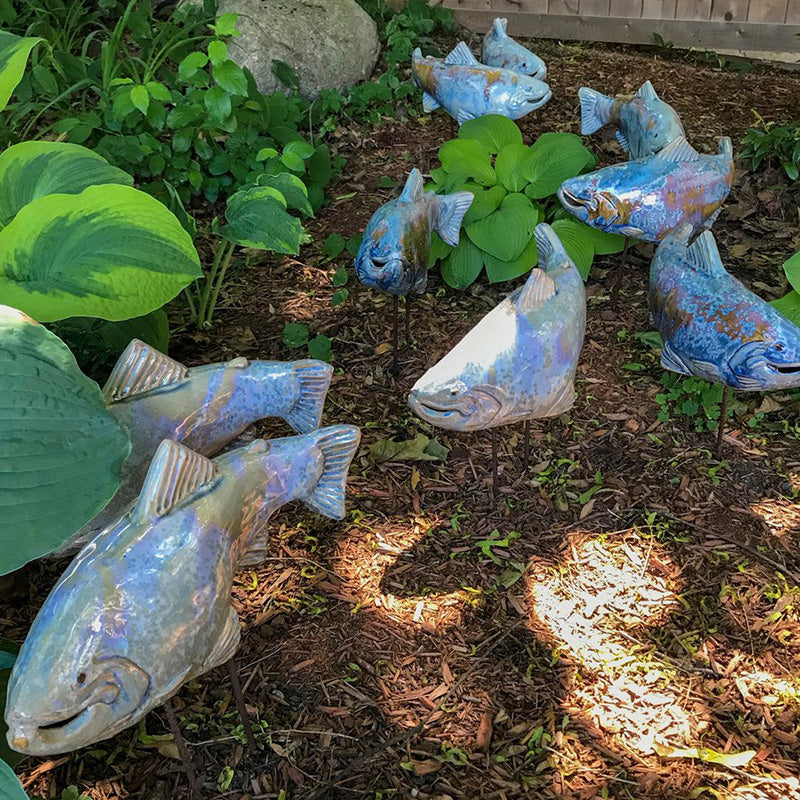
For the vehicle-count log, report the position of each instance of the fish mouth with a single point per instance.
(472, 410)
(571, 201)
(107, 706)
(534, 103)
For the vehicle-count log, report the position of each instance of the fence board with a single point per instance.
(793, 12)
(658, 9)
(625, 8)
(767, 11)
(730, 10)
(594, 8)
(562, 7)
(693, 9)
(712, 34)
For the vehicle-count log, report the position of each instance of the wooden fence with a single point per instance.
(765, 25)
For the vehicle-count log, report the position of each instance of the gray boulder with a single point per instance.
(331, 44)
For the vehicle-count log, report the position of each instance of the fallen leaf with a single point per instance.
(420, 448)
(741, 759)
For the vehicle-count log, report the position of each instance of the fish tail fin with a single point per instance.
(550, 247)
(499, 27)
(680, 235)
(451, 213)
(313, 379)
(338, 445)
(595, 110)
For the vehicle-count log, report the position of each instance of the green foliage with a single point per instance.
(14, 52)
(163, 101)
(692, 398)
(8, 655)
(778, 145)
(789, 304)
(513, 186)
(62, 450)
(296, 334)
(10, 787)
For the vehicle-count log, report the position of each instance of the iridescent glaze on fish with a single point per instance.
(519, 361)
(467, 89)
(646, 199)
(645, 123)
(395, 248)
(155, 398)
(712, 326)
(500, 50)
(146, 605)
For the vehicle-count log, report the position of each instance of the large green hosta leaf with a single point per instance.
(493, 131)
(10, 787)
(8, 655)
(577, 241)
(789, 306)
(33, 169)
(111, 252)
(257, 217)
(60, 450)
(461, 267)
(505, 233)
(553, 158)
(14, 52)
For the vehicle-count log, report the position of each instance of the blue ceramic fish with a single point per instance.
(645, 123)
(393, 255)
(146, 605)
(519, 361)
(155, 397)
(500, 50)
(646, 199)
(467, 89)
(712, 326)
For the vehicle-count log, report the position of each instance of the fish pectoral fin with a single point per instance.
(139, 369)
(678, 150)
(414, 187)
(452, 208)
(499, 27)
(464, 116)
(538, 289)
(227, 643)
(313, 379)
(623, 141)
(672, 361)
(461, 55)
(175, 473)
(709, 223)
(429, 103)
(647, 92)
(704, 256)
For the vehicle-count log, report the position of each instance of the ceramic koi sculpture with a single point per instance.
(467, 89)
(155, 397)
(648, 198)
(518, 363)
(645, 123)
(500, 50)
(394, 251)
(146, 605)
(712, 326)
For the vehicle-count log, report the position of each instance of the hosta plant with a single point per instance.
(77, 240)
(789, 304)
(514, 187)
(14, 52)
(61, 449)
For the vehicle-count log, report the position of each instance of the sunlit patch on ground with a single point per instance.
(589, 605)
(781, 516)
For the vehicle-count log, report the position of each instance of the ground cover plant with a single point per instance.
(514, 188)
(622, 624)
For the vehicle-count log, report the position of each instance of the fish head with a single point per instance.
(524, 61)
(585, 198)
(769, 363)
(661, 126)
(395, 243)
(527, 95)
(455, 405)
(74, 682)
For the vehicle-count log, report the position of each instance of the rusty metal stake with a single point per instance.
(183, 751)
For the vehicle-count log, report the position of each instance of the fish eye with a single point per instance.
(779, 346)
(81, 678)
(457, 388)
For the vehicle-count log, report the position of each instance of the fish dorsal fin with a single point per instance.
(647, 92)
(538, 289)
(551, 249)
(704, 257)
(413, 190)
(499, 27)
(175, 473)
(725, 147)
(678, 150)
(139, 369)
(461, 54)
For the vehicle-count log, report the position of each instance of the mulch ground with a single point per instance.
(559, 642)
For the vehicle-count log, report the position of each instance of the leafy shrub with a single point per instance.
(14, 52)
(164, 101)
(514, 187)
(694, 398)
(789, 304)
(778, 145)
